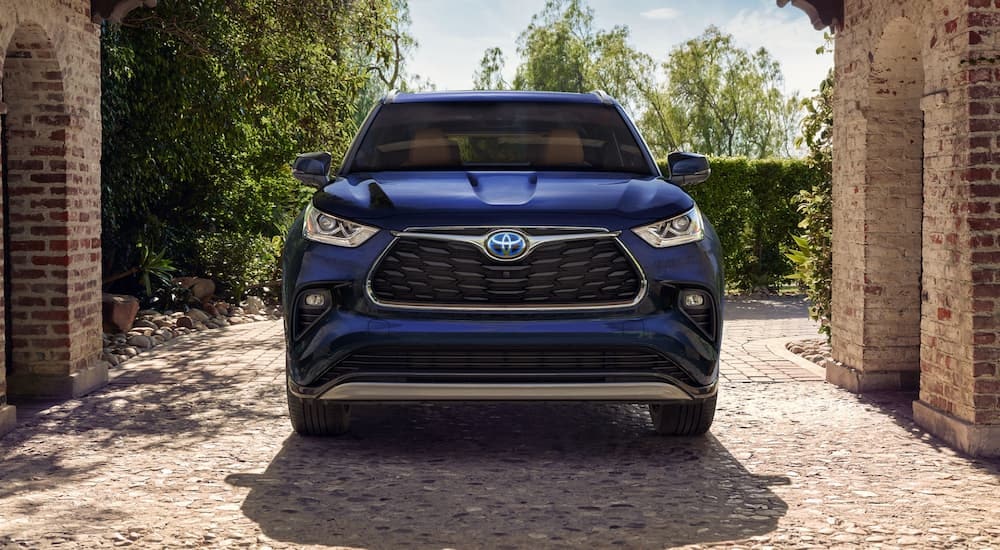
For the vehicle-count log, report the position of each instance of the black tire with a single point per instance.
(691, 418)
(316, 416)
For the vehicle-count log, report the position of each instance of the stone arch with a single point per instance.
(42, 354)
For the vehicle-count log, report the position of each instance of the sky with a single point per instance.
(453, 34)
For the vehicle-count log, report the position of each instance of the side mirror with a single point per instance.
(688, 168)
(313, 169)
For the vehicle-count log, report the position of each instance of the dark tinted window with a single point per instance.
(499, 136)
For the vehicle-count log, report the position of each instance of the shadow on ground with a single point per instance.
(142, 407)
(746, 308)
(507, 475)
(898, 406)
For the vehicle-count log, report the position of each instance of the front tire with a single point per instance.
(689, 418)
(317, 416)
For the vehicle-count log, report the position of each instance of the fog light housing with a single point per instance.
(311, 306)
(315, 298)
(698, 306)
(693, 300)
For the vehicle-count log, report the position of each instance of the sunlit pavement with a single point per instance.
(190, 446)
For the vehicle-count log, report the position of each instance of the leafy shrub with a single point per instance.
(204, 104)
(751, 205)
(238, 262)
(813, 252)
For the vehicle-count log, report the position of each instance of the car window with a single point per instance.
(499, 136)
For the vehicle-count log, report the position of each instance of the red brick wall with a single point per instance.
(958, 257)
(51, 87)
(981, 24)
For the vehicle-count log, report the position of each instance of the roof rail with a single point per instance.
(391, 96)
(604, 97)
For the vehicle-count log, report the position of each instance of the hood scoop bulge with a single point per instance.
(499, 189)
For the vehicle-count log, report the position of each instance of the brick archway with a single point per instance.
(882, 47)
(877, 257)
(49, 321)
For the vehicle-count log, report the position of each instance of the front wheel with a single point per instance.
(688, 418)
(317, 416)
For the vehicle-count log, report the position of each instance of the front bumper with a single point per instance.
(492, 391)
(363, 351)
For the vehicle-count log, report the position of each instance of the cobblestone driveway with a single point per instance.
(190, 446)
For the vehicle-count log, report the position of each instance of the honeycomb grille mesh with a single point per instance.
(585, 272)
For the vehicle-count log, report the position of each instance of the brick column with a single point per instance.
(956, 43)
(51, 84)
(8, 415)
(960, 389)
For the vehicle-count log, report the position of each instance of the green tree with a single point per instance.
(556, 48)
(725, 100)
(718, 99)
(490, 73)
(560, 50)
(206, 102)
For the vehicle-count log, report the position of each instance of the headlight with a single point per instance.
(324, 228)
(683, 229)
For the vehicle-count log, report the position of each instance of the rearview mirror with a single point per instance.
(688, 168)
(313, 169)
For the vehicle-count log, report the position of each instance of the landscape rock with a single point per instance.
(140, 341)
(118, 312)
(143, 331)
(254, 305)
(201, 289)
(145, 323)
(151, 328)
(198, 315)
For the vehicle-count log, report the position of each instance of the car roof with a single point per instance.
(596, 97)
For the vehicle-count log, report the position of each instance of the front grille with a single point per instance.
(428, 272)
(506, 364)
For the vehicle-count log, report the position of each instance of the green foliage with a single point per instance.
(749, 204)
(722, 100)
(153, 266)
(490, 73)
(237, 261)
(556, 48)
(206, 102)
(717, 99)
(813, 250)
(562, 51)
(812, 254)
(171, 296)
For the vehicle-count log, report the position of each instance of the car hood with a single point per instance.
(399, 200)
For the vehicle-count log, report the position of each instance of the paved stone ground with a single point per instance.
(190, 447)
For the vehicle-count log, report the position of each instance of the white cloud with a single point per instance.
(661, 14)
(790, 38)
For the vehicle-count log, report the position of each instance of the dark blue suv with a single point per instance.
(501, 246)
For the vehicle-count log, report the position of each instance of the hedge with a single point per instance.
(752, 205)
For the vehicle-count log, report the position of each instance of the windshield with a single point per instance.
(499, 136)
